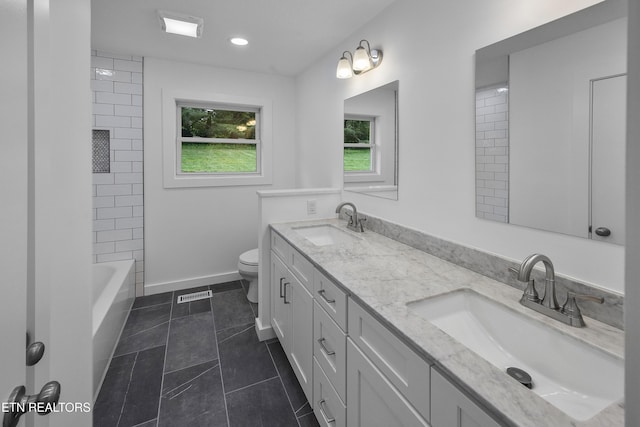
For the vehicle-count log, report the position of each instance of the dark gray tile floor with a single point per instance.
(199, 364)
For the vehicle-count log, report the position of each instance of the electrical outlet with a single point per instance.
(311, 207)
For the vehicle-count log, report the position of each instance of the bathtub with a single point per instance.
(113, 294)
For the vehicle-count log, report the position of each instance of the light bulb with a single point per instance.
(344, 70)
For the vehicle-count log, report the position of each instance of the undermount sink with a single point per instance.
(577, 378)
(324, 235)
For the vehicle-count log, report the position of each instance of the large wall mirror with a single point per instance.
(371, 142)
(550, 126)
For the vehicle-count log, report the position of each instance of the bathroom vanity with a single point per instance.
(355, 315)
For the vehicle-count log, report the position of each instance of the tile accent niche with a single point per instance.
(492, 153)
(118, 204)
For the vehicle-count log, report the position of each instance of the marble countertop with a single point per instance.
(383, 275)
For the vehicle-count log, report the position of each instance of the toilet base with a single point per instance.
(252, 293)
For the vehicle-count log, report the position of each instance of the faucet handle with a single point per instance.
(570, 307)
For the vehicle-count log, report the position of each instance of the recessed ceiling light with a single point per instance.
(184, 25)
(239, 41)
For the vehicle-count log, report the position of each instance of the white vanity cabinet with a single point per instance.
(354, 370)
(292, 320)
(452, 408)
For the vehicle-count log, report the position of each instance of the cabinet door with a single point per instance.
(300, 350)
(451, 408)
(372, 400)
(279, 310)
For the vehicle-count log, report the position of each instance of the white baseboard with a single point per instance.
(194, 282)
(264, 332)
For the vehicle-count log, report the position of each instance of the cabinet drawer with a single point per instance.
(329, 409)
(280, 246)
(302, 268)
(451, 407)
(329, 349)
(331, 298)
(407, 371)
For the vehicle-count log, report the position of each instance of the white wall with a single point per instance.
(193, 236)
(116, 85)
(429, 48)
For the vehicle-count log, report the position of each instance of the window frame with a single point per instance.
(373, 174)
(172, 139)
(200, 140)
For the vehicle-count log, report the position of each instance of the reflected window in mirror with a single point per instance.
(359, 145)
(370, 142)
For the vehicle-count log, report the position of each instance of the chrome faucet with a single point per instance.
(548, 305)
(354, 223)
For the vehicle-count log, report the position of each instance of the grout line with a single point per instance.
(124, 401)
(215, 337)
(251, 385)
(237, 333)
(135, 351)
(164, 362)
(176, 395)
(195, 364)
(152, 305)
(145, 422)
(148, 329)
(192, 379)
(286, 393)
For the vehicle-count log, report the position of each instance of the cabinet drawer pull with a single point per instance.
(324, 297)
(285, 293)
(324, 412)
(324, 347)
(281, 295)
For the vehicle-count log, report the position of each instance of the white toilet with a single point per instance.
(248, 269)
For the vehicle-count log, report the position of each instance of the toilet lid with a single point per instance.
(250, 257)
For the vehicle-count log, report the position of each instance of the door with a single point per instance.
(45, 209)
(279, 308)
(13, 217)
(301, 337)
(372, 401)
(608, 138)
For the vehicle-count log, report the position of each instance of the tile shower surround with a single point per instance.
(497, 268)
(199, 364)
(116, 85)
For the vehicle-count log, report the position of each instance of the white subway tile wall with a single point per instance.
(116, 82)
(492, 153)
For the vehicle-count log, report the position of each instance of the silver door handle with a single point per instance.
(20, 403)
(285, 293)
(281, 279)
(324, 412)
(324, 297)
(324, 347)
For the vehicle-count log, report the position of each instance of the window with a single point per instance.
(359, 145)
(218, 139)
(212, 140)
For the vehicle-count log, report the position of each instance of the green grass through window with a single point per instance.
(218, 158)
(357, 159)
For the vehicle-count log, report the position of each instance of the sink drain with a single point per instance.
(522, 376)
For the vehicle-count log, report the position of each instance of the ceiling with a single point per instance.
(285, 36)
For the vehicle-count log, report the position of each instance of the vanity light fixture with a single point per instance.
(364, 59)
(177, 23)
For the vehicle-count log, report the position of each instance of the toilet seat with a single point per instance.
(249, 258)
